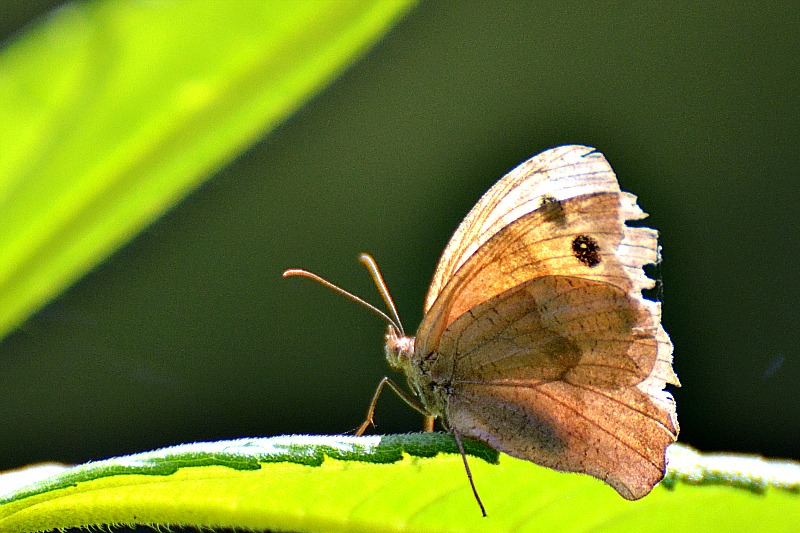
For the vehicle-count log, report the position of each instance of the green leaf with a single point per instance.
(113, 111)
(393, 483)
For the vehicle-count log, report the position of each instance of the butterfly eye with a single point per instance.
(586, 250)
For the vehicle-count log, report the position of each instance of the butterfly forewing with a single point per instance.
(557, 174)
(539, 244)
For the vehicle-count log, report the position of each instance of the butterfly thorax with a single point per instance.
(400, 355)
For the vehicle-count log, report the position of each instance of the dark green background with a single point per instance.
(189, 333)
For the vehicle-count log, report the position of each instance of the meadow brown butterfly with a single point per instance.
(536, 338)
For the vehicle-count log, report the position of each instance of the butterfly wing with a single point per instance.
(541, 335)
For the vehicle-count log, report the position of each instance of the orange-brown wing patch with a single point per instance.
(593, 243)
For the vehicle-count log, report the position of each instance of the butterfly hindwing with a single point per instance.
(549, 371)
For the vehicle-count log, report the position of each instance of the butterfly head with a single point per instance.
(399, 349)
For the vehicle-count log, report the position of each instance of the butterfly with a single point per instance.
(536, 337)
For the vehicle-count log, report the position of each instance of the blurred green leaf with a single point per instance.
(112, 111)
(410, 482)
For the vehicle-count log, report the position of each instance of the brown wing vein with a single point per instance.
(619, 402)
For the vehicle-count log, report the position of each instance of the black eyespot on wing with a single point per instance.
(552, 210)
(586, 250)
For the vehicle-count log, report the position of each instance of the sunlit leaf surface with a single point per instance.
(410, 482)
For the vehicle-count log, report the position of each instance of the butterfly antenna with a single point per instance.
(469, 474)
(291, 272)
(375, 272)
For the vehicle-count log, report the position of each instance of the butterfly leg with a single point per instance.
(406, 397)
(469, 474)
